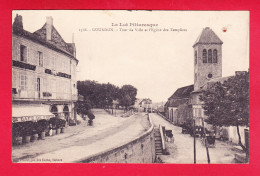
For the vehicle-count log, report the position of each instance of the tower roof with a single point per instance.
(208, 36)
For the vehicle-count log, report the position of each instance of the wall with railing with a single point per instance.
(139, 150)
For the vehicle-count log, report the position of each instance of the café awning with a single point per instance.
(30, 113)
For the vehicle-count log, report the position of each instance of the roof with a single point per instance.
(208, 36)
(213, 81)
(183, 92)
(176, 102)
(146, 101)
(57, 43)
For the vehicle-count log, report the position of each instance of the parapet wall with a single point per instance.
(140, 150)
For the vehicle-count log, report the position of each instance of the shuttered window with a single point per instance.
(23, 82)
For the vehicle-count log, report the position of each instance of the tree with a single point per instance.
(127, 95)
(99, 95)
(227, 104)
(83, 108)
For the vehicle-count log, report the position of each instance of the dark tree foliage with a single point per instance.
(127, 96)
(102, 95)
(83, 107)
(99, 95)
(227, 104)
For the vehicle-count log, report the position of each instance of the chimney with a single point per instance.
(18, 22)
(49, 23)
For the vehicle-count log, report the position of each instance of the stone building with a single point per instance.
(185, 102)
(43, 73)
(207, 66)
(178, 107)
(145, 105)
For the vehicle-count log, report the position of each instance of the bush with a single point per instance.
(27, 128)
(35, 127)
(17, 129)
(42, 125)
(61, 123)
(91, 116)
(53, 123)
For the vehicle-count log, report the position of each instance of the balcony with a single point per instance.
(42, 95)
(23, 65)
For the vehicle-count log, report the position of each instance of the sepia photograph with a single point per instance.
(130, 86)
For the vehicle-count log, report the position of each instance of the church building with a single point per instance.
(185, 103)
(207, 66)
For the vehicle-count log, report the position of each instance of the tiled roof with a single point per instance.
(183, 92)
(177, 102)
(56, 44)
(56, 38)
(208, 36)
(213, 81)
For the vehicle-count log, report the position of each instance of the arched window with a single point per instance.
(204, 56)
(54, 110)
(215, 56)
(195, 57)
(210, 56)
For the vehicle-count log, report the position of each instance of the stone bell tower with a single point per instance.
(207, 58)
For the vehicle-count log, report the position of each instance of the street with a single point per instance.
(182, 150)
(81, 141)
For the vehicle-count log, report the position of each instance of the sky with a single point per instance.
(156, 62)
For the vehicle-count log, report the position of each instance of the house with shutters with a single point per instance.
(43, 74)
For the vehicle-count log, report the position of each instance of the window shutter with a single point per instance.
(14, 78)
(36, 61)
(18, 51)
(28, 55)
(14, 47)
(17, 80)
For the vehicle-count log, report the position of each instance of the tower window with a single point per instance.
(210, 56)
(210, 75)
(215, 56)
(204, 56)
(195, 57)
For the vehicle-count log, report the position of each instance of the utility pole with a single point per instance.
(206, 141)
(194, 136)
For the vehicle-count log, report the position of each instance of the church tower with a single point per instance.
(207, 58)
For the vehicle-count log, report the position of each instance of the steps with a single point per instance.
(158, 142)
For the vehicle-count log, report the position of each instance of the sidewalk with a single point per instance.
(182, 151)
(81, 141)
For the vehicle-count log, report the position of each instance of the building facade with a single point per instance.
(43, 73)
(178, 106)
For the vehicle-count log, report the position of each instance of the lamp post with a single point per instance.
(206, 141)
(194, 136)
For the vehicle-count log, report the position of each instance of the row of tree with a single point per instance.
(101, 95)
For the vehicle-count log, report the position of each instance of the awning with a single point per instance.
(21, 113)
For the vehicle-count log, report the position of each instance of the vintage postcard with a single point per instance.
(127, 86)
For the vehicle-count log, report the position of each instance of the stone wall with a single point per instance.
(140, 150)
